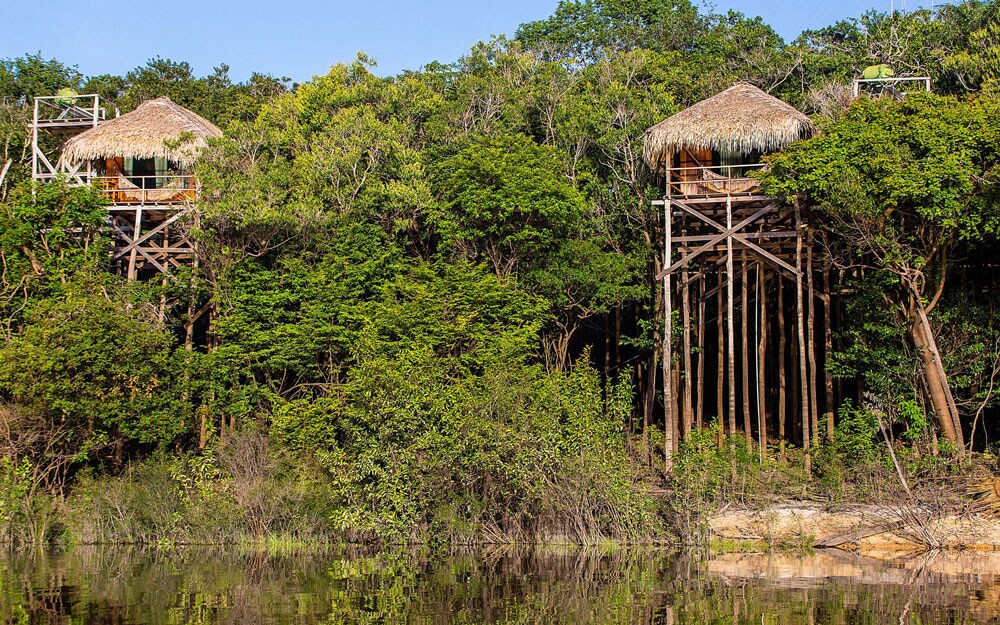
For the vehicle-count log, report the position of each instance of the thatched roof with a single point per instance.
(156, 128)
(741, 119)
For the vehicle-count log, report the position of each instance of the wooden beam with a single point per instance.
(782, 384)
(811, 340)
(668, 391)
(762, 360)
(688, 413)
(699, 413)
(730, 329)
(720, 361)
(801, 335)
(745, 348)
(725, 233)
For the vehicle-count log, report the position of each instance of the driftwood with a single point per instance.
(852, 537)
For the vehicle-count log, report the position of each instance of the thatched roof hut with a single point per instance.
(741, 119)
(157, 128)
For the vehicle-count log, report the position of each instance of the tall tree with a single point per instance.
(902, 184)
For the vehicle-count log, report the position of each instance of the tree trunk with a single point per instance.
(934, 377)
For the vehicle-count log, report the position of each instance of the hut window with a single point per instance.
(728, 162)
(147, 173)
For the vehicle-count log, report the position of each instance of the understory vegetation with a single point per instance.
(424, 307)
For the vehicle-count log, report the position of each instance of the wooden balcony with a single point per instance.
(148, 190)
(68, 113)
(713, 182)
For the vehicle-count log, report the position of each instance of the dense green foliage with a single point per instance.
(427, 305)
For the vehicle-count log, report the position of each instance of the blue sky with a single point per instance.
(302, 38)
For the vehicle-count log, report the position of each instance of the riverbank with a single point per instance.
(108, 586)
(872, 530)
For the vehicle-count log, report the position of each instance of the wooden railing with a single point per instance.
(898, 84)
(174, 189)
(713, 181)
(79, 110)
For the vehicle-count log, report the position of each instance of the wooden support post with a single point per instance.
(162, 313)
(132, 257)
(801, 335)
(745, 347)
(720, 385)
(668, 392)
(642, 381)
(618, 338)
(730, 329)
(828, 349)
(678, 398)
(811, 340)
(782, 384)
(700, 406)
(762, 359)
(688, 410)
(607, 361)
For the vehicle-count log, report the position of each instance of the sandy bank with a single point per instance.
(877, 531)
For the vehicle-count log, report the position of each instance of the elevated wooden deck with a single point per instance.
(714, 183)
(148, 190)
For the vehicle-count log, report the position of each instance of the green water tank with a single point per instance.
(66, 97)
(877, 71)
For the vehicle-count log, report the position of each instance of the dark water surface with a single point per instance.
(189, 586)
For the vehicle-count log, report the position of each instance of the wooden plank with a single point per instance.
(698, 238)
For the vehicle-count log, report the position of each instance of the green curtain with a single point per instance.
(161, 170)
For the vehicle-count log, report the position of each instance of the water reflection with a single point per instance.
(197, 586)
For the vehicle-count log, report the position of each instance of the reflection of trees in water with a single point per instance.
(189, 586)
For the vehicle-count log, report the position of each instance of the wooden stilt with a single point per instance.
(745, 347)
(162, 312)
(730, 329)
(618, 339)
(720, 384)
(782, 384)
(642, 382)
(668, 391)
(700, 405)
(688, 410)
(828, 351)
(762, 359)
(133, 254)
(607, 361)
(811, 342)
(678, 398)
(801, 335)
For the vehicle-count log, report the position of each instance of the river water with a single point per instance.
(210, 586)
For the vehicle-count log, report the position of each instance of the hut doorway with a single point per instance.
(146, 173)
